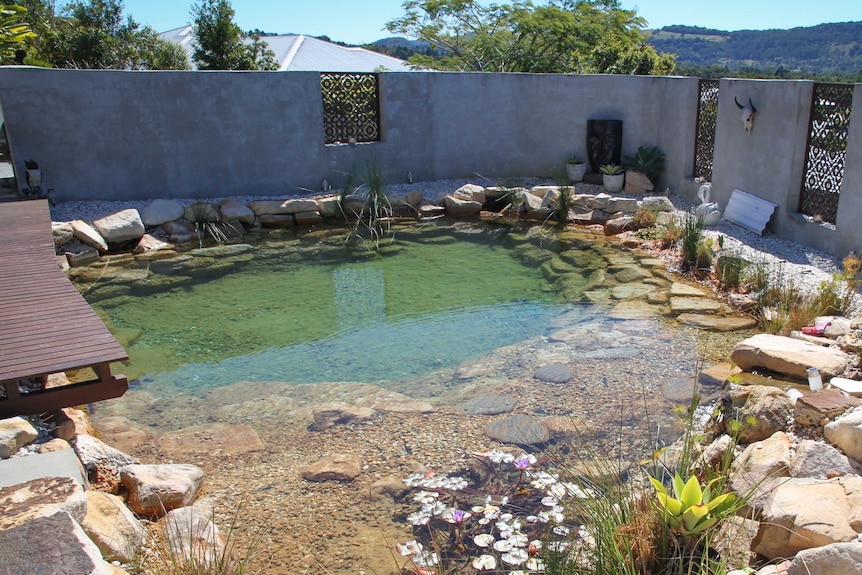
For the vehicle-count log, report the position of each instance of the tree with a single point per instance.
(14, 31)
(220, 42)
(94, 34)
(562, 36)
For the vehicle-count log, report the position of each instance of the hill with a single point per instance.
(826, 48)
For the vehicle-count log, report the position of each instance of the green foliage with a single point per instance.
(220, 40)
(644, 218)
(94, 34)
(649, 161)
(694, 509)
(559, 37)
(692, 238)
(374, 212)
(14, 30)
(730, 270)
(574, 160)
(611, 169)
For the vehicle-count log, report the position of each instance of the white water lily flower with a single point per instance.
(502, 545)
(500, 457)
(531, 519)
(419, 518)
(485, 562)
(413, 480)
(535, 564)
(484, 521)
(437, 508)
(577, 491)
(558, 546)
(515, 557)
(426, 559)
(543, 480)
(410, 548)
(549, 501)
(455, 483)
(561, 530)
(483, 539)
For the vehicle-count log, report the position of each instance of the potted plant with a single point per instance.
(575, 169)
(647, 161)
(613, 177)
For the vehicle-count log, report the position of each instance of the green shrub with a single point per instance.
(644, 218)
(649, 161)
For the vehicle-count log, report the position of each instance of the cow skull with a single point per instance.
(747, 114)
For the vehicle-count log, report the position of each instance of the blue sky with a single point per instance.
(362, 21)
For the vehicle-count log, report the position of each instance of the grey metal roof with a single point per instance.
(296, 52)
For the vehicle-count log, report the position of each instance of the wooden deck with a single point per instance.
(46, 326)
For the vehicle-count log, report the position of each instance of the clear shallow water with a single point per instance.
(303, 311)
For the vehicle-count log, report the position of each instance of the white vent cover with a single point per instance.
(750, 212)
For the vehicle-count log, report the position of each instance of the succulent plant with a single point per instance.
(694, 509)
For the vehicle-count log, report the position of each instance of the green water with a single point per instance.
(310, 309)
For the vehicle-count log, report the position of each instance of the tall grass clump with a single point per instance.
(692, 246)
(367, 204)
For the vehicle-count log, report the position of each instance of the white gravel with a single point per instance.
(805, 266)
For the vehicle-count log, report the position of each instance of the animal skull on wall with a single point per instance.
(747, 114)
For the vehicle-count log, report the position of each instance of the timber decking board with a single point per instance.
(46, 326)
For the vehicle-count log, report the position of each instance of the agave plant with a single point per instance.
(693, 510)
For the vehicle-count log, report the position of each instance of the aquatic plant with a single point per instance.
(373, 215)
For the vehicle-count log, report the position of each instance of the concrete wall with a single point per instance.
(135, 135)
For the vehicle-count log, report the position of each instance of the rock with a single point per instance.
(838, 326)
(788, 356)
(329, 207)
(62, 233)
(627, 206)
(215, 440)
(679, 289)
(15, 433)
(307, 218)
(717, 323)
(79, 255)
(119, 227)
(760, 409)
(633, 291)
(631, 274)
(276, 220)
(431, 211)
(157, 489)
(55, 444)
(233, 211)
(849, 386)
(161, 211)
(818, 460)
(336, 467)
(569, 428)
(618, 225)
(768, 457)
(53, 545)
(392, 402)
(518, 429)
(274, 207)
(391, 487)
(85, 233)
(192, 538)
(488, 405)
(102, 462)
(835, 559)
(201, 212)
(461, 208)
(470, 193)
(680, 305)
(413, 198)
(332, 414)
(658, 204)
(554, 373)
(40, 498)
(112, 527)
(794, 518)
(846, 433)
(148, 244)
(531, 202)
(714, 453)
(637, 183)
(71, 422)
(813, 408)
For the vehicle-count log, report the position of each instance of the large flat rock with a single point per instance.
(788, 356)
(717, 323)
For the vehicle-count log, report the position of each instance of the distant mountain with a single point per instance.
(822, 49)
(826, 48)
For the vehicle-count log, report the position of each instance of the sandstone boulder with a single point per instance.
(192, 538)
(518, 429)
(846, 433)
(61, 232)
(815, 408)
(122, 226)
(470, 193)
(462, 208)
(156, 489)
(637, 183)
(818, 460)
(628, 206)
(657, 204)
(761, 410)
(85, 234)
(835, 559)
(161, 211)
(102, 462)
(149, 244)
(201, 212)
(276, 207)
(15, 433)
(788, 356)
(40, 498)
(112, 527)
(769, 457)
(332, 414)
(233, 211)
(336, 467)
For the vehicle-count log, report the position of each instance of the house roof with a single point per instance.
(296, 52)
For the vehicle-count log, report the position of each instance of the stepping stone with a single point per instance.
(488, 405)
(679, 305)
(681, 289)
(518, 429)
(554, 373)
(812, 408)
(716, 323)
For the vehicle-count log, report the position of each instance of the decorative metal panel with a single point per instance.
(831, 105)
(351, 107)
(704, 139)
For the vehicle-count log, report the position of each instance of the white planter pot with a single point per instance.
(613, 184)
(576, 172)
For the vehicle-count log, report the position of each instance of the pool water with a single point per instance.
(309, 309)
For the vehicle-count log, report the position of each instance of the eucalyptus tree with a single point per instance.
(221, 44)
